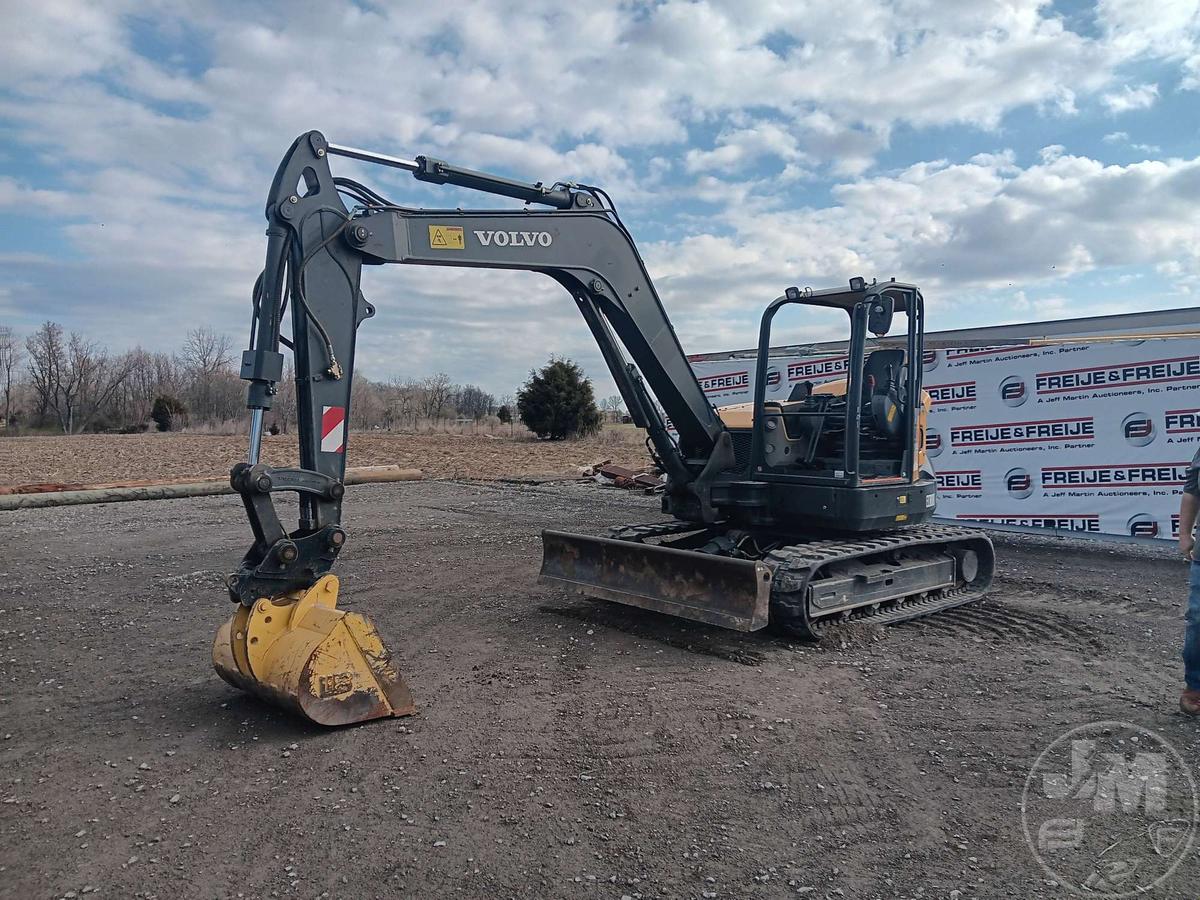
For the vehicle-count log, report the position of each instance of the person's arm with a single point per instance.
(1188, 507)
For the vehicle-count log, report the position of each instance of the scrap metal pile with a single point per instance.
(650, 478)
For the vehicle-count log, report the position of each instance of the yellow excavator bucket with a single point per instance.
(300, 652)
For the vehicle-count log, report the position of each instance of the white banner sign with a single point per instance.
(1092, 438)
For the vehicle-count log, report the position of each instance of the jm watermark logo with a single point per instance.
(1110, 809)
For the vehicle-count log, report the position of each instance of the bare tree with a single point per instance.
(73, 378)
(402, 402)
(367, 405)
(214, 391)
(472, 401)
(47, 351)
(435, 395)
(207, 352)
(10, 361)
(167, 373)
(283, 411)
(151, 375)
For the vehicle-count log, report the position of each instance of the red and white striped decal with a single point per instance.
(333, 429)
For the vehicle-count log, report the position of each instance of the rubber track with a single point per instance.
(795, 564)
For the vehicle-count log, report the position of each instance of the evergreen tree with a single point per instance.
(558, 403)
(167, 412)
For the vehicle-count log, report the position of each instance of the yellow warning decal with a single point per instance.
(446, 237)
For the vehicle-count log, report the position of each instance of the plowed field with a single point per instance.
(122, 457)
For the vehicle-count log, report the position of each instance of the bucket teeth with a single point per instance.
(300, 652)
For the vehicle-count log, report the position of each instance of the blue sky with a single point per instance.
(1019, 160)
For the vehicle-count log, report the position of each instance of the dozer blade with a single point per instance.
(718, 590)
(300, 652)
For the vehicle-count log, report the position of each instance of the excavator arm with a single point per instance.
(315, 253)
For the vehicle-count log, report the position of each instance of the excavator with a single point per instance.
(796, 512)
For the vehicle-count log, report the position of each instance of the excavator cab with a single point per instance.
(851, 430)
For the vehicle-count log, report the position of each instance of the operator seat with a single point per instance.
(801, 391)
(881, 379)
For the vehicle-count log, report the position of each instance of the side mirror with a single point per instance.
(879, 318)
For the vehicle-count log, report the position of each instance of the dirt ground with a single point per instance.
(120, 457)
(563, 748)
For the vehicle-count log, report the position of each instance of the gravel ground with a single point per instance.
(563, 748)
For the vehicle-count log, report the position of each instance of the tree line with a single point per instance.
(52, 380)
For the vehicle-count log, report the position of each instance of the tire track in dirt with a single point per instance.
(1004, 622)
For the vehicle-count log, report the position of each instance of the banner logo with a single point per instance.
(930, 360)
(774, 380)
(965, 352)
(1012, 391)
(1183, 421)
(824, 368)
(966, 480)
(959, 392)
(1019, 483)
(1087, 522)
(1154, 371)
(1138, 429)
(933, 442)
(1142, 525)
(1040, 432)
(729, 381)
(1125, 475)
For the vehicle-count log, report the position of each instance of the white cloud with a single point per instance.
(1131, 97)
(1022, 308)
(1191, 76)
(1122, 137)
(159, 165)
(1164, 28)
(972, 229)
(740, 146)
(33, 201)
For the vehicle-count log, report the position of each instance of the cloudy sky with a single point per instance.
(1020, 160)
